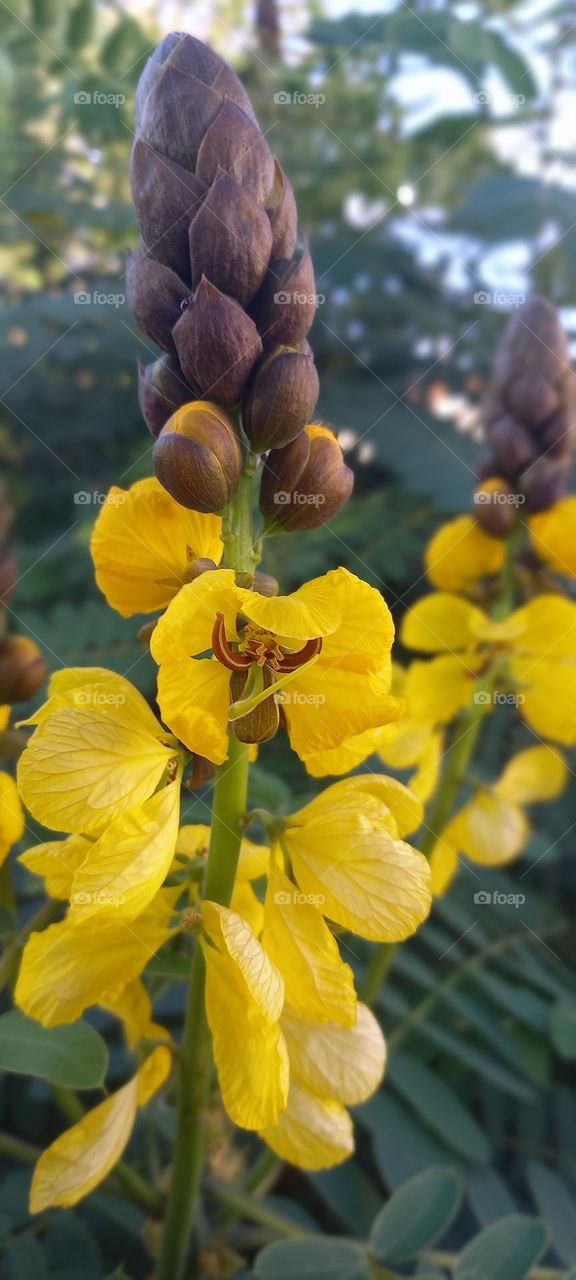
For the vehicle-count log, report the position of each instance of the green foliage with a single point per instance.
(74, 1056)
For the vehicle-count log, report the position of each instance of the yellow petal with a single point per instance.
(548, 693)
(299, 943)
(11, 815)
(312, 1133)
(372, 884)
(134, 1008)
(186, 627)
(352, 752)
(152, 1074)
(553, 535)
(125, 868)
(142, 544)
(194, 698)
(539, 773)
(443, 865)
(546, 628)
(331, 1061)
(193, 840)
(424, 781)
(244, 997)
(86, 763)
(352, 616)
(245, 903)
(460, 553)
(438, 689)
(326, 706)
(57, 862)
(254, 860)
(489, 830)
(71, 966)
(85, 1154)
(394, 801)
(442, 621)
(93, 687)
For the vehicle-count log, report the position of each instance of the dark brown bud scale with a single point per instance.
(197, 457)
(306, 483)
(280, 399)
(22, 669)
(217, 344)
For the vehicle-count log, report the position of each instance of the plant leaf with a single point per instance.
(74, 1056)
(505, 1251)
(416, 1216)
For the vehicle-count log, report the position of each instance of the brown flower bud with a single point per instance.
(283, 216)
(533, 398)
(558, 435)
(166, 197)
(217, 344)
(9, 572)
(496, 507)
(235, 143)
(280, 399)
(177, 113)
(307, 483)
(543, 483)
(230, 240)
(197, 457)
(22, 669)
(285, 306)
(162, 388)
(156, 296)
(262, 723)
(514, 448)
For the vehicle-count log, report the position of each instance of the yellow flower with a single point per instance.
(143, 543)
(329, 643)
(85, 1154)
(553, 535)
(492, 828)
(537, 642)
(331, 1067)
(298, 941)
(346, 853)
(244, 1000)
(75, 964)
(133, 1007)
(57, 862)
(460, 553)
(11, 815)
(97, 750)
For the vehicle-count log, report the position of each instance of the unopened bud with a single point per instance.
(162, 388)
(9, 572)
(280, 399)
(286, 304)
(230, 240)
(495, 508)
(156, 295)
(533, 398)
(166, 196)
(513, 446)
(22, 669)
(306, 483)
(559, 434)
(217, 343)
(283, 216)
(197, 457)
(235, 143)
(543, 482)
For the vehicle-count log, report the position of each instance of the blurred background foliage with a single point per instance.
(434, 164)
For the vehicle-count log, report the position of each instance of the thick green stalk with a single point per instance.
(195, 1061)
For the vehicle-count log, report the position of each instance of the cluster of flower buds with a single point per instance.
(217, 282)
(530, 419)
(221, 286)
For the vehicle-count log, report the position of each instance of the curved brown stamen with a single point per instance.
(292, 661)
(228, 657)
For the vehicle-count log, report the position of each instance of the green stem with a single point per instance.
(18, 1149)
(245, 1206)
(228, 814)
